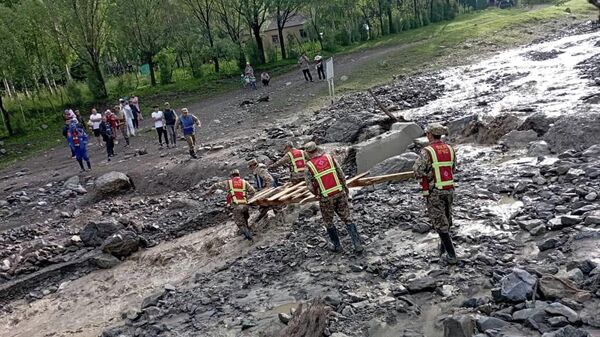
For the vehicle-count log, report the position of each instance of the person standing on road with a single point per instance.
(188, 123)
(238, 193)
(78, 140)
(136, 116)
(171, 121)
(304, 63)
(128, 113)
(95, 120)
(108, 135)
(325, 179)
(265, 78)
(68, 116)
(320, 66)
(435, 168)
(122, 124)
(295, 159)
(159, 125)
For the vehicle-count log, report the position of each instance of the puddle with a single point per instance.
(284, 308)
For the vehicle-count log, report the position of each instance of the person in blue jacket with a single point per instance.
(78, 141)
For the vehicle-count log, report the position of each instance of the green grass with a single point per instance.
(442, 44)
(427, 48)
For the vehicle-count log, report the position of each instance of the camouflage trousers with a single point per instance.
(439, 209)
(337, 204)
(241, 214)
(263, 210)
(296, 177)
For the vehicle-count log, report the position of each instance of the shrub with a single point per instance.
(166, 59)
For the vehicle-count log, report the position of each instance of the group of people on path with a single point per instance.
(326, 180)
(167, 123)
(248, 78)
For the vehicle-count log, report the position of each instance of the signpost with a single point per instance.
(329, 76)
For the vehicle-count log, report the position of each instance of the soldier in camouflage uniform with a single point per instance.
(238, 193)
(263, 180)
(435, 168)
(325, 179)
(289, 160)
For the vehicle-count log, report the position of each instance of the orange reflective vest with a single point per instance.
(324, 171)
(442, 162)
(237, 191)
(298, 159)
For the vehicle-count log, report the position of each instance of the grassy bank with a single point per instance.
(463, 40)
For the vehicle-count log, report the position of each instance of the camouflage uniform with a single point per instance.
(261, 172)
(241, 213)
(335, 204)
(295, 177)
(439, 202)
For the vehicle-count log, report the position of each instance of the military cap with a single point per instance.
(437, 129)
(310, 147)
(253, 162)
(289, 143)
(234, 172)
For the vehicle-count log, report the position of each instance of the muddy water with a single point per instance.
(546, 85)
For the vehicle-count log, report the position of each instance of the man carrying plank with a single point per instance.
(435, 167)
(295, 159)
(326, 180)
(238, 193)
(263, 180)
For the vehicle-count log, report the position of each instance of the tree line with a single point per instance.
(46, 44)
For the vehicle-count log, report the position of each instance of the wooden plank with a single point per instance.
(267, 193)
(285, 191)
(384, 109)
(296, 194)
(352, 180)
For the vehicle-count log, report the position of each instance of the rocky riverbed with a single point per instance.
(103, 256)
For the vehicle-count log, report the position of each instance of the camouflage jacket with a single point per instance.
(313, 185)
(263, 178)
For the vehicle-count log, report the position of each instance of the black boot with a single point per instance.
(353, 231)
(335, 238)
(247, 233)
(89, 165)
(449, 247)
(81, 164)
(193, 154)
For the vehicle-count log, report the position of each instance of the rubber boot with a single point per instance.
(193, 154)
(353, 231)
(449, 247)
(247, 233)
(335, 238)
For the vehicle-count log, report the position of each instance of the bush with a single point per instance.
(252, 53)
(166, 59)
(74, 93)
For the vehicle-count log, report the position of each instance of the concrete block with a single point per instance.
(392, 143)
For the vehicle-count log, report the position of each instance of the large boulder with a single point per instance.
(568, 331)
(517, 286)
(345, 129)
(392, 143)
(538, 148)
(96, 231)
(491, 132)
(401, 163)
(538, 122)
(459, 326)
(518, 139)
(122, 244)
(574, 132)
(457, 126)
(113, 182)
(555, 288)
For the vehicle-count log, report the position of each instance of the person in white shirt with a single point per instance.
(128, 113)
(159, 124)
(95, 120)
(319, 65)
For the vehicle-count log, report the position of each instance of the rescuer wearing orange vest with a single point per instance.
(325, 179)
(295, 159)
(435, 169)
(239, 192)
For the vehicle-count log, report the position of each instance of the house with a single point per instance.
(294, 26)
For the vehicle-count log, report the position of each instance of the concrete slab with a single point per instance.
(392, 143)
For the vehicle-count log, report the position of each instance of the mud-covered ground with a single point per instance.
(526, 124)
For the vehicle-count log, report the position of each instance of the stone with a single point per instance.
(517, 286)
(586, 266)
(558, 321)
(539, 230)
(152, 300)
(392, 143)
(592, 151)
(395, 164)
(96, 231)
(528, 225)
(570, 220)
(121, 244)
(456, 126)
(284, 318)
(345, 129)
(574, 131)
(593, 219)
(537, 314)
(575, 275)
(562, 310)
(518, 139)
(113, 182)
(591, 196)
(488, 323)
(105, 261)
(421, 285)
(370, 132)
(459, 326)
(567, 331)
(548, 244)
(554, 288)
(74, 184)
(538, 148)
(538, 122)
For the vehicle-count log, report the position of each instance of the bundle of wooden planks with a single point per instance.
(299, 193)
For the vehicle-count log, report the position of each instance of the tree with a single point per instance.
(231, 25)
(82, 24)
(204, 11)
(6, 118)
(145, 24)
(284, 9)
(255, 14)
